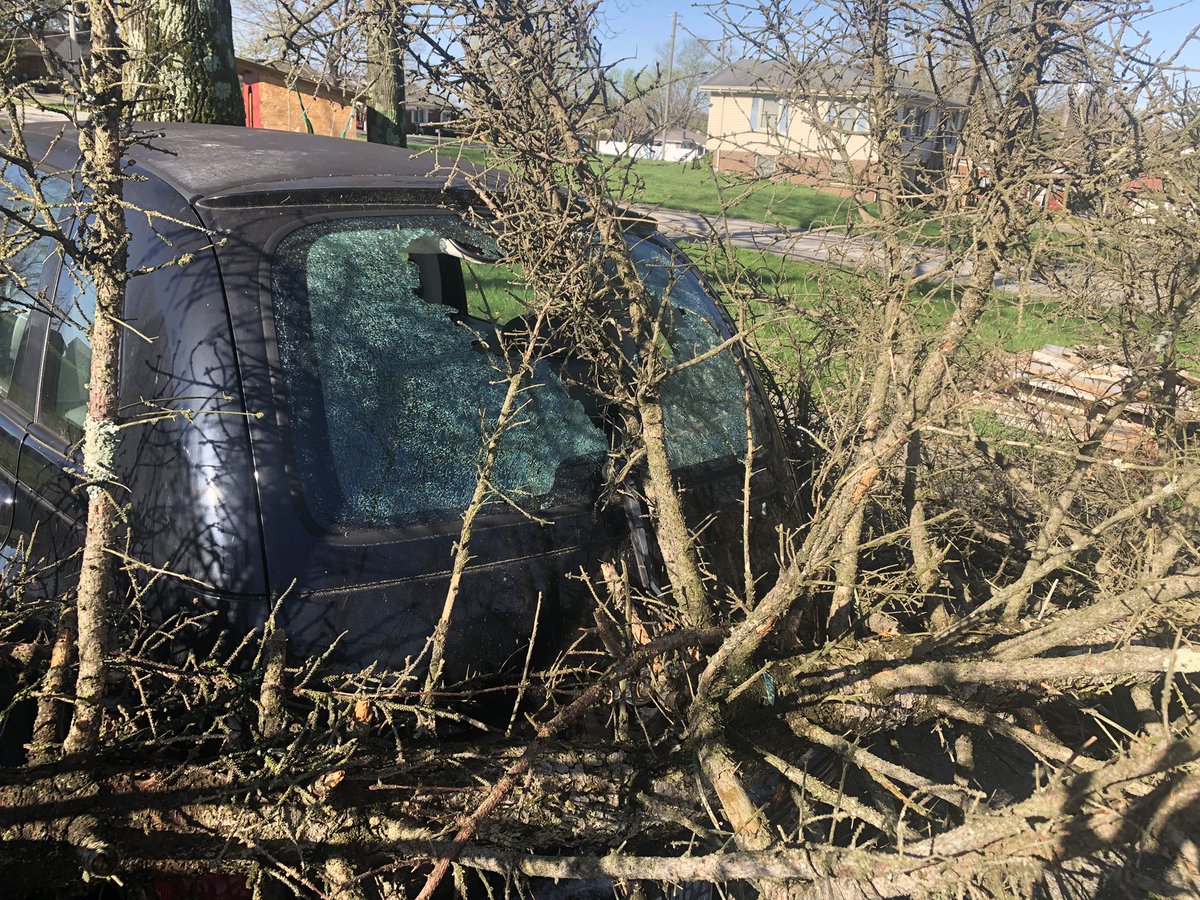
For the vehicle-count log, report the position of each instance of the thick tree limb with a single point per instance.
(1082, 667)
(1070, 626)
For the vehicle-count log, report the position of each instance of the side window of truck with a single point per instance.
(23, 257)
(65, 375)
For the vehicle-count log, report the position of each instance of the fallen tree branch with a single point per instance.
(207, 813)
(1042, 746)
(97, 856)
(836, 799)
(1088, 812)
(1075, 624)
(594, 693)
(1082, 667)
(873, 765)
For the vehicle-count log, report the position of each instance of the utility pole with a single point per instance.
(670, 79)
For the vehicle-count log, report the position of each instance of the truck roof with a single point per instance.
(203, 161)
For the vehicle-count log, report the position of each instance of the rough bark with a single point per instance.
(675, 539)
(182, 66)
(45, 741)
(386, 114)
(102, 143)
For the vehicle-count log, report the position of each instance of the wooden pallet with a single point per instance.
(1063, 392)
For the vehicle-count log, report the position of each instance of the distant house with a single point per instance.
(279, 96)
(27, 60)
(681, 146)
(424, 111)
(761, 121)
(683, 142)
(1145, 197)
(284, 98)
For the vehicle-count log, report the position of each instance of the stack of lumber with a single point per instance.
(1065, 392)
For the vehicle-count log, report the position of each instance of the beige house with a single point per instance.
(761, 122)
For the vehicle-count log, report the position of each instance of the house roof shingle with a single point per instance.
(771, 77)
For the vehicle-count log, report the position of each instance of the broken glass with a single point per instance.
(704, 409)
(391, 392)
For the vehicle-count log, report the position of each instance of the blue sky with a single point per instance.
(635, 28)
(1168, 27)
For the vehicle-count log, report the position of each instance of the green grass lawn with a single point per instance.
(1008, 324)
(495, 291)
(698, 189)
(1014, 326)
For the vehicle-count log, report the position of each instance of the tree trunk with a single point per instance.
(102, 142)
(385, 75)
(182, 66)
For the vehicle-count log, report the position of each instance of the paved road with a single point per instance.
(825, 247)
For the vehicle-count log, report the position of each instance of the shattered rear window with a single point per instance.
(391, 390)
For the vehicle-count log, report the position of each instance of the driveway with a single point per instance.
(825, 247)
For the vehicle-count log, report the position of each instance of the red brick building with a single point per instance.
(288, 99)
(284, 99)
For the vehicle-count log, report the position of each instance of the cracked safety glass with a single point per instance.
(391, 392)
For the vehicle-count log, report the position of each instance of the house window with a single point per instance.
(768, 114)
(846, 116)
(913, 121)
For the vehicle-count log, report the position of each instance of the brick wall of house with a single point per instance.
(272, 103)
(806, 170)
(282, 109)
